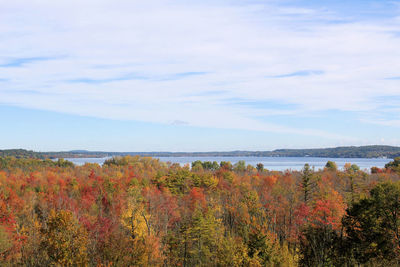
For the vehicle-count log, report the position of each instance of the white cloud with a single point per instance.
(124, 51)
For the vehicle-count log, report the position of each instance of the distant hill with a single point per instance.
(342, 152)
(337, 152)
(20, 153)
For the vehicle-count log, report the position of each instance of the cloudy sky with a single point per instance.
(127, 75)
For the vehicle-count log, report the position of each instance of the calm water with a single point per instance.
(270, 163)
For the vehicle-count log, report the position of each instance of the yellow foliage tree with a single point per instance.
(65, 240)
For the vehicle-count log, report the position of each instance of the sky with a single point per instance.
(209, 75)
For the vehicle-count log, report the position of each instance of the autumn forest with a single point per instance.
(138, 211)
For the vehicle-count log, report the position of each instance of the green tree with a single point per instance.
(317, 246)
(373, 225)
(240, 166)
(227, 165)
(331, 166)
(394, 165)
(260, 167)
(307, 182)
(64, 163)
(197, 166)
(198, 240)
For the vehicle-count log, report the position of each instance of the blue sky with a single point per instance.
(198, 75)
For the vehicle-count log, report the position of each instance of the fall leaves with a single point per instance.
(137, 211)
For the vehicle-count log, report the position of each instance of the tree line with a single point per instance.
(337, 152)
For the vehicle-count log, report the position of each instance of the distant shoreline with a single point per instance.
(373, 151)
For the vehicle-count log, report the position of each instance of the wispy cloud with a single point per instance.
(23, 92)
(260, 104)
(108, 80)
(130, 77)
(178, 76)
(300, 73)
(161, 61)
(383, 122)
(210, 93)
(18, 62)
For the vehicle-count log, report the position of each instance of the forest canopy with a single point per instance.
(139, 211)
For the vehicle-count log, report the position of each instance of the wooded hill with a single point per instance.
(337, 152)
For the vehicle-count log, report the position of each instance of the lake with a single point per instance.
(270, 163)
